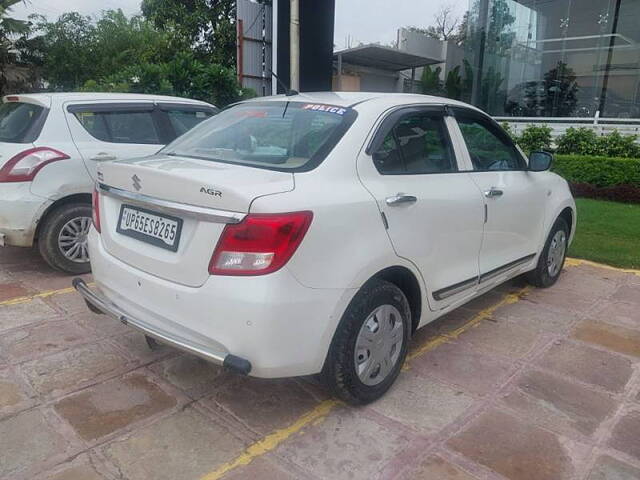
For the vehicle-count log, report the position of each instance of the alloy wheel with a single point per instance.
(72, 240)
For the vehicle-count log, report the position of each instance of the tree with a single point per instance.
(453, 84)
(116, 53)
(462, 35)
(500, 34)
(75, 49)
(9, 28)
(67, 50)
(430, 81)
(207, 25)
(496, 28)
(182, 76)
(561, 91)
(445, 27)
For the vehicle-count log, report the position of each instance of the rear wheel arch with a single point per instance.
(78, 198)
(406, 281)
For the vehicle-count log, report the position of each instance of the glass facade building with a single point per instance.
(553, 58)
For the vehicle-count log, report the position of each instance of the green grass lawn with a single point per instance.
(607, 232)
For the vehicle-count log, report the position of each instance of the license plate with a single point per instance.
(160, 230)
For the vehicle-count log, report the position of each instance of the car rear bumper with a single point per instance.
(100, 304)
(20, 212)
(274, 323)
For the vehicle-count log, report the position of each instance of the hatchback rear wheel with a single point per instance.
(370, 344)
(63, 238)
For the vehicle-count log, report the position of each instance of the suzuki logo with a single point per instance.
(136, 183)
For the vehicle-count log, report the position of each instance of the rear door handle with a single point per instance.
(400, 199)
(493, 192)
(103, 157)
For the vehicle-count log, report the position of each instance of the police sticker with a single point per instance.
(317, 107)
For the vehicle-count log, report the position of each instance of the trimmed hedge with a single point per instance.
(585, 141)
(598, 171)
(616, 193)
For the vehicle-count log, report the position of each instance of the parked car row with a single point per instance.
(285, 236)
(50, 149)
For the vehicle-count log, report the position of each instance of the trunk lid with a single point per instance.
(192, 183)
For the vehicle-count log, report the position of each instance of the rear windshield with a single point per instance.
(285, 136)
(19, 122)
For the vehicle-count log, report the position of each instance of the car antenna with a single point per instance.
(288, 91)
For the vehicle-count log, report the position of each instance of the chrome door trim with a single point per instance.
(175, 208)
(505, 268)
(465, 285)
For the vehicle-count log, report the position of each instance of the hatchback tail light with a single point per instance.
(260, 244)
(24, 166)
(95, 201)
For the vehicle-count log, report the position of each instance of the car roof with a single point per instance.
(47, 97)
(352, 99)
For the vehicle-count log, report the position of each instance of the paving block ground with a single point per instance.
(520, 384)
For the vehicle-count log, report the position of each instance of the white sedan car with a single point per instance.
(315, 233)
(50, 146)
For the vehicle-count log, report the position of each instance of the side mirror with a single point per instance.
(540, 161)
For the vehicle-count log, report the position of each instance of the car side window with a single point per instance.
(94, 124)
(488, 150)
(184, 120)
(417, 144)
(120, 126)
(387, 158)
(132, 127)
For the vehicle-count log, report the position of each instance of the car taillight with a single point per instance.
(260, 244)
(24, 166)
(95, 200)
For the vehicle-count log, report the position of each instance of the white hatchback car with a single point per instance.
(315, 233)
(50, 145)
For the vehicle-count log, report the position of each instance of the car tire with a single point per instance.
(63, 229)
(552, 258)
(360, 375)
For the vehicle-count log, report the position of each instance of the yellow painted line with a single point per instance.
(28, 298)
(575, 262)
(479, 317)
(271, 441)
(319, 413)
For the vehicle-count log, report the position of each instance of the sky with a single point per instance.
(363, 21)
(371, 21)
(54, 8)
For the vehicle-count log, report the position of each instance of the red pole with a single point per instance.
(240, 43)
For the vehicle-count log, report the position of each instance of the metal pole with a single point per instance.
(339, 86)
(294, 36)
(476, 89)
(264, 50)
(607, 68)
(274, 45)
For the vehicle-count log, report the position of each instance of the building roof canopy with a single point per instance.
(384, 58)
